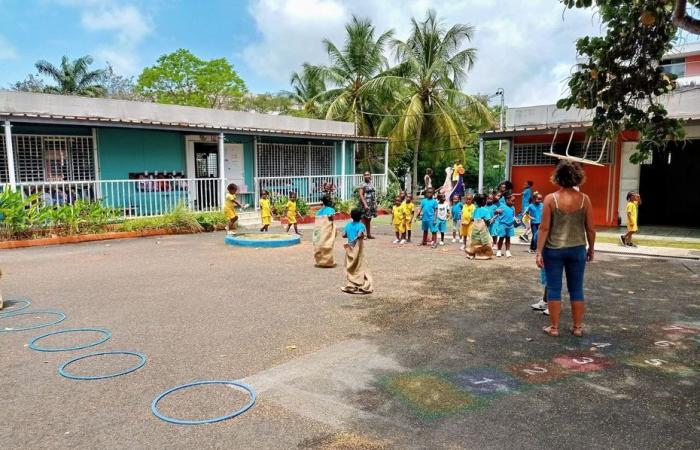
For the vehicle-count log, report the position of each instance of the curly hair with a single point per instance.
(568, 174)
(480, 200)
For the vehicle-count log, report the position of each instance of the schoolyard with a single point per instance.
(445, 354)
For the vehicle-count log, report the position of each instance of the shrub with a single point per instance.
(211, 221)
(386, 200)
(344, 206)
(279, 205)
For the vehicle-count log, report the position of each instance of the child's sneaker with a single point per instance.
(396, 241)
(402, 241)
(434, 245)
(622, 239)
(545, 312)
(454, 240)
(539, 306)
(531, 251)
(499, 254)
(508, 254)
(523, 238)
(461, 247)
(442, 242)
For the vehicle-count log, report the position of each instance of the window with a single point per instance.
(294, 160)
(675, 66)
(533, 154)
(49, 158)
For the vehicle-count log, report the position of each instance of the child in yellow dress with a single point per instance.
(230, 208)
(292, 212)
(408, 214)
(398, 220)
(265, 211)
(467, 222)
(633, 202)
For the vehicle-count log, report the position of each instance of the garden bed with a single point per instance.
(77, 238)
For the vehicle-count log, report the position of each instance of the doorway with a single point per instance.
(206, 171)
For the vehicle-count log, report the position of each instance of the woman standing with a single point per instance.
(368, 202)
(567, 224)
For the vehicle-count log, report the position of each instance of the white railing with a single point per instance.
(311, 188)
(135, 198)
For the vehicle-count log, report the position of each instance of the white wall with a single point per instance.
(629, 178)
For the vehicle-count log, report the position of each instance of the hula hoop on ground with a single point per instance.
(239, 384)
(106, 337)
(63, 373)
(61, 318)
(6, 311)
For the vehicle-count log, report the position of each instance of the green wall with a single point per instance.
(124, 150)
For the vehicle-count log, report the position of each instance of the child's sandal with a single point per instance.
(577, 331)
(551, 331)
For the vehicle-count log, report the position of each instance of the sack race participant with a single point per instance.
(324, 235)
(480, 244)
(359, 280)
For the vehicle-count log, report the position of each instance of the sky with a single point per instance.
(525, 47)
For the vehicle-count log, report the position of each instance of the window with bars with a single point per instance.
(533, 154)
(49, 158)
(294, 160)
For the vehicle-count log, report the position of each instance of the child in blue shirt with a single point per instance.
(427, 212)
(327, 209)
(457, 207)
(359, 279)
(506, 225)
(492, 205)
(354, 230)
(534, 210)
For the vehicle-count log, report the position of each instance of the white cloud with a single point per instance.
(527, 48)
(7, 51)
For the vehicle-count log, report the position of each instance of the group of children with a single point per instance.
(231, 203)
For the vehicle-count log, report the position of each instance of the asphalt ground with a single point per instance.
(445, 354)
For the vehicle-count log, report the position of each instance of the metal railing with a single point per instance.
(134, 198)
(311, 188)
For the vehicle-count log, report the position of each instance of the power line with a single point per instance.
(427, 114)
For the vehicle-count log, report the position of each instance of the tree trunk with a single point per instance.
(414, 177)
(683, 20)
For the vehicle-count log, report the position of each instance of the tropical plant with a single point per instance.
(307, 85)
(211, 221)
(73, 77)
(279, 205)
(426, 84)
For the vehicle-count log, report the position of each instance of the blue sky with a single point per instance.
(524, 47)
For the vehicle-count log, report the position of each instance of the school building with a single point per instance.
(665, 180)
(145, 158)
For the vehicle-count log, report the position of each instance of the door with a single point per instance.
(206, 171)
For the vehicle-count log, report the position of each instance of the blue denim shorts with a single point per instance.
(559, 261)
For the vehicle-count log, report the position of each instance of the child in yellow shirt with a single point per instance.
(230, 204)
(292, 212)
(467, 222)
(408, 214)
(633, 202)
(265, 211)
(398, 219)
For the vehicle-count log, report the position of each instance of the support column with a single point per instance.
(256, 182)
(386, 166)
(222, 176)
(10, 155)
(481, 164)
(343, 194)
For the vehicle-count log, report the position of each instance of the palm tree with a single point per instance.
(360, 60)
(432, 65)
(307, 85)
(73, 77)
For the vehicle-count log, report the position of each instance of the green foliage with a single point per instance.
(179, 219)
(182, 78)
(211, 221)
(621, 79)
(279, 206)
(344, 206)
(386, 200)
(73, 77)
(267, 104)
(307, 85)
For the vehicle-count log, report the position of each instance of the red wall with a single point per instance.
(601, 182)
(692, 65)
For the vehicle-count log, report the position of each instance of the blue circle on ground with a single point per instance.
(61, 318)
(106, 335)
(62, 369)
(5, 311)
(239, 384)
(262, 240)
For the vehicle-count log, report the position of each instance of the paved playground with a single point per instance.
(445, 354)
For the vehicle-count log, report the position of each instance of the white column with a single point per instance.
(10, 155)
(222, 176)
(343, 195)
(481, 164)
(256, 184)
(386, 165)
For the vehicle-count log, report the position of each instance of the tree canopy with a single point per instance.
(72, 77)
(184, 79)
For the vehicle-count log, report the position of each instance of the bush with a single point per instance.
(211, 221)
(386, 200)
(279, 205)
(344, 206)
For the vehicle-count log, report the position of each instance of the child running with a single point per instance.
(265, 211)
(292, 213)
(633, 202)
(506, 224)
(408, 207)
(230, 208)
(467, 220)
(323, 238)
(443, 215)
(480, 239)
(359, 280)
(534, 211)
(398, 219)
(427, 213)
(456, 219)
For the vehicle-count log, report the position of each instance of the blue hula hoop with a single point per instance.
(25, 305)
(63, 373)
(61, 318)
(106, 333)
(245, 387)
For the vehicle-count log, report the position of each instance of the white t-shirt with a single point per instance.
(442, 210)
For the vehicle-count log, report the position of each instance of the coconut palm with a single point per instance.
(73, 77)
(432, 66)
(360, 60)
(307, 85)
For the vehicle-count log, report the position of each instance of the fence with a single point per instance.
(135, 198)
(311, 188)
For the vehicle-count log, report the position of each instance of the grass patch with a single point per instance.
(668, 243)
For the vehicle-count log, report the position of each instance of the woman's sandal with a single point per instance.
(577, 331)
(551, 331)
